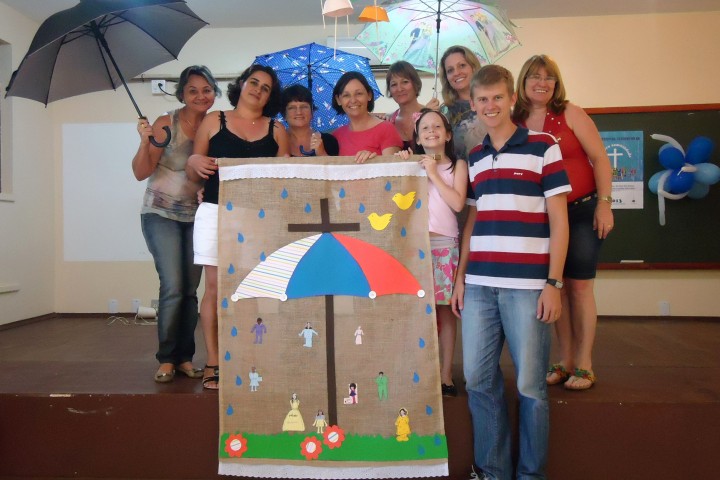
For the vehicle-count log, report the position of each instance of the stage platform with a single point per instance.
(77, 400)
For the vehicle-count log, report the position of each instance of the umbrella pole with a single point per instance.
(101, 38)
(437, 47)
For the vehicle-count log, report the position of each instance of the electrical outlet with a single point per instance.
(664, 307)
(155, 303)
(135, 304)
(112, 306)
(157, 87)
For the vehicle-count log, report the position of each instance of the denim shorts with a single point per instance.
(584, 244)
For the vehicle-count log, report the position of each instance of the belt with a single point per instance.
(583, 199)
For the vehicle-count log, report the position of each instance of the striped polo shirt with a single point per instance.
(510, 242)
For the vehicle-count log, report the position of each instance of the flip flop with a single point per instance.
(556, 374)
(580, 374)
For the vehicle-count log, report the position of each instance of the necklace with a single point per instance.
(193, 127)
(251, 120)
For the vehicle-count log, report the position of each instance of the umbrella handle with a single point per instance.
(165, 142)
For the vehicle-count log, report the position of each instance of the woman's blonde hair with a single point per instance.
(449, 94)
(533, 65)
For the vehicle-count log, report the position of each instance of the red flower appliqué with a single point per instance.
(334, 436)
(236, 445)
(311, 448)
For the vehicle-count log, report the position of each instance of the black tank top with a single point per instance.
(226, 144)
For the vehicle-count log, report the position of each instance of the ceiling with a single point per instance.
(258, 13)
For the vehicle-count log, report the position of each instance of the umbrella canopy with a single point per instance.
(328, 264)
(96, 44)
(419, 30)
(318, 68)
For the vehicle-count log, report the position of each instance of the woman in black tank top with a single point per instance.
(248, 131)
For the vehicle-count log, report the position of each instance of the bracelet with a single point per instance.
(606, 198)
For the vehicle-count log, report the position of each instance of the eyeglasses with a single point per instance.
(536, 78)
(298, 108)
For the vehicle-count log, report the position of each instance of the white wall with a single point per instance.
(606, 61)
(27, 214)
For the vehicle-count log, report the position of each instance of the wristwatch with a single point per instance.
(555, 283)
(606, 198)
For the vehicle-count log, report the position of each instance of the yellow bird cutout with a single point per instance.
(379, 222)
(404, 201)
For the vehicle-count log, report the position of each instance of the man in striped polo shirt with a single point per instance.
(512, 256)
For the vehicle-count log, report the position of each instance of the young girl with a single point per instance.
(447, 190)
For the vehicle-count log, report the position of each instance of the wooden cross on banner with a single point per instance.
(325, 226)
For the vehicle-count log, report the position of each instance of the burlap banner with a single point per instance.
(328, 339)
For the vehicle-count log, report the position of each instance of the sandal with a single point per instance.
(581, 380)
(190, 372)
(556, 374)
(214, 378)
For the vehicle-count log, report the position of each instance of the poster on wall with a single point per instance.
(328, 340)
(625, 150)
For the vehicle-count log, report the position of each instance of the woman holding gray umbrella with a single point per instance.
(247, 131)
(167, 219)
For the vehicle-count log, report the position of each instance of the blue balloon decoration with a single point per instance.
(437, 440)
(671, 157)
(428, 410)
(241, 238)
(342, 193)
(421, 342)
(699, 150)
(653, 182)
(284, 194)
(428, 309)
(261, 213)
(403, 232)
(262, 256)
(416, 377)
(388, 186)
(680, 182)
(234, 332)
(421, 450)
(238, 380)
(361, 208)
(227, 356)
(698, 190)
(308, 208)
(418, 204)
(707, 173)
(224, 303)
(231, 269)
(421, 254)
(229, 206)
(230, 410)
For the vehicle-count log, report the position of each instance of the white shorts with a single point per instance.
(205, 235)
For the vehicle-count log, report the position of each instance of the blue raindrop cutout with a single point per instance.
(416, 377)
(284, 194)
(261, 213)
(421, 342)
(388, 186)
(308, 208)
(342, 193)
(428, 309)
(238, 380)
(234, 332)
(262, 256)
(403, 232)
(241, 238)
(230, 410)
(224, 303)
(421, 254)
(418, 204)
(227, 356)
(428, 410)
(229, 206)
(438, 440)
(421, 450)
(361, 209)
(231, 269)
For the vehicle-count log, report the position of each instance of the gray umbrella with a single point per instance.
(94, 45)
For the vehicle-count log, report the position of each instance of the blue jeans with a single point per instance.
(491, 316)
(171, 244)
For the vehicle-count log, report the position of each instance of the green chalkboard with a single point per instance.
(690, 239)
